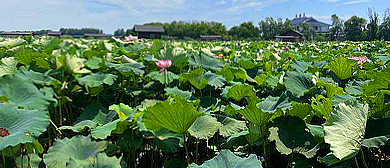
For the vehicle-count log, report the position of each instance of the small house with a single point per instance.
(318, 26)
(290, 36)
(13, 34)
(149, 32)
(209, 37)
(57, 34)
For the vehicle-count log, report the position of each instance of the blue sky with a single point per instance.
(112, 14)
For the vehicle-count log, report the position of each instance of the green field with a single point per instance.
(153, 103)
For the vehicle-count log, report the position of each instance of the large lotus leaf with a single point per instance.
(271, 104)
(76, 148)
(379, 108)
(298, 83)
(103, 131)
(331, 89)
(177, 116)
(204, 127)
(162, 78)
(214, 80)
(231, 73)
(101, 161)
(256, 115)
(128, 67)
(123, 110)
(231, 126)
(11, 42)
(196, 78)
(94, 62)
(377, 133)
(322, 106)
(238, 92)
(36, 77)
(301, 110)
(290, 135)
(300, 66)
(92, 111)
(23, 93)
(341, 67)
(23, 125)
(381, 81)
(346, 128)
(177, 91)
(75, 64)
(8, 66)
(201, 60)
(98, 79)
(227, 159)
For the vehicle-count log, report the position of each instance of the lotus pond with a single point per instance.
(152, 103)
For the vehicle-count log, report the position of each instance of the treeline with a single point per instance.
(354, 29)
(82, 31)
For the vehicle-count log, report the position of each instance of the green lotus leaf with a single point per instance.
(298, 83)
(300, 66)
(162, 78)
(231, 126)
(301, 110)
(246, 64)
(77, 148)
(227, 159)
(322, 105)
(290, 135)
(8, 66)
(98, 79)
(175, 116)
(36, 77)
(177, 91)
(201, 60)
(93, 62)
(123, 110)
(101, 161)
(381, 81)
(271, 104)
(331, 89)
(128, 67)
(75, 64)
(346, 128)
(23, 125)
(238, 92)
(204, 127)
(23, 93)
(341, 67)
(196, 78)
(214, 80)
(12, 42)
(103, 131)
(255, 115)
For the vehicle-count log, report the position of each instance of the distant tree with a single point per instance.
(373, 25)
(384, 28)
(337, 27)
(74, 31)
(307, 31)
(41, 32)
(119, 32)
(269, 28)
(245, 30)
(354, 28)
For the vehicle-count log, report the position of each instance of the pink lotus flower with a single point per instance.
(130, 38)
(285, 48)
(361, 60)
(164, 64)
(220, 55)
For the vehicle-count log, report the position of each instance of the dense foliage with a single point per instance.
(110, 103)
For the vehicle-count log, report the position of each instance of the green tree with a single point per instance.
(119, 32)
(373, 26)
(354, 28)
(337, 27)
(245, 30)
(384, 28)
(307, 31)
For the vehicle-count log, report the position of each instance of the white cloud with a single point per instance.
(352, 2)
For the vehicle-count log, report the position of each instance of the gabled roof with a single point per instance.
(152, 29)
(291, 32)
(309, 20)
(54, 33)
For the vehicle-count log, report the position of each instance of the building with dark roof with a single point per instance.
(290, 36)
(9, 34)
(318, 26)
(149, 32)
(55, 33)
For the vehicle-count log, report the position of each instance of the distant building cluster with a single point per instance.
(318, 26)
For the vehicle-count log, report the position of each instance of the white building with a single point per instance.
(318, 26)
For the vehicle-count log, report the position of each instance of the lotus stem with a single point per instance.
(28, 161)
(3, 156)
(356, 162)
(196, 151)
(364, 161)
(186, 150)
